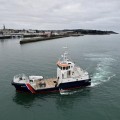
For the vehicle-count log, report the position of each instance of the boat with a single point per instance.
(69, 76)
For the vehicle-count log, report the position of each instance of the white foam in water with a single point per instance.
(69, 92)
(96, 82)
(103, 69)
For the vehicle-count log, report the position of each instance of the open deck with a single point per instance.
(46, 83)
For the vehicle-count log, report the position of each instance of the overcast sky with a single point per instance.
(60, 14)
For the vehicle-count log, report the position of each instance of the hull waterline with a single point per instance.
(63, 86)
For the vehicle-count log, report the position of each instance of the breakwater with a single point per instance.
(18, 36)
(36, 39)
(5, 37)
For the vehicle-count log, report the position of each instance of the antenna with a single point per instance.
(65, 53)
(65, 49)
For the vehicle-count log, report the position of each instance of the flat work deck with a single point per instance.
(46, 83)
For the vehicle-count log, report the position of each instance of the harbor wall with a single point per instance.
(35, 39)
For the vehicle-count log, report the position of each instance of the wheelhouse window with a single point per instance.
(64, 68)
(59, 67)
(67, 68)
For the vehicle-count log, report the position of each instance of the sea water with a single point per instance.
(98, 54)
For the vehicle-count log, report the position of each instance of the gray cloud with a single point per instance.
(60, 14)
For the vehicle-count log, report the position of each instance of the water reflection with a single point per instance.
(28, 100)
(24, 99)
(2, 41)
(62, 102)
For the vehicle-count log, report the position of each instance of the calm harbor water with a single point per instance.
(99, 55)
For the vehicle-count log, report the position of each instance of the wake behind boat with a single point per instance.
(69, 76)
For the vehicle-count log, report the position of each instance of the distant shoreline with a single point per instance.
(42, 35)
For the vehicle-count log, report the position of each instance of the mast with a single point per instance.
(65, 54)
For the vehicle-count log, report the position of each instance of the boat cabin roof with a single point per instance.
(61, 64)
